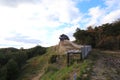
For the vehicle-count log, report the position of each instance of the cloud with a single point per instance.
(53, 39)
(23, 39)
(100, 15)
(39, 23)
(112, 4)
(95, 13)
(112, 11)
(14, 3)
(112, 16)
(42, 21)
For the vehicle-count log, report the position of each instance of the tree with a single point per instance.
(12, 70)
(3, 73)
(20, 58)
(106, 36)
(2, 59)
(38, 50)
(80, 36)
(118, 42)
(85, 37)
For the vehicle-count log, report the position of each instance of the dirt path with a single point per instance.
(107, 67)
(38, 76)
(98, 71)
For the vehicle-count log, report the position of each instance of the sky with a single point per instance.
(27, 23)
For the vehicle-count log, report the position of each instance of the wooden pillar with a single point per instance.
(81, 56)
(68, 59)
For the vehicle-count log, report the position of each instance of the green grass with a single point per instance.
(84, 70)
(67, 73)
(59, 74)
(87, 65)
(35, 65)
(58, 70)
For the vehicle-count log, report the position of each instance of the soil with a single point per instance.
(107, 67)
(38, 76)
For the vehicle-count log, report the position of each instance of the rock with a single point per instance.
(84, 76)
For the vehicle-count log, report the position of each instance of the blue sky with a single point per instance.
(27, 23)
(85, 5)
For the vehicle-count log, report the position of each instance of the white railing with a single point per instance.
(85, 50)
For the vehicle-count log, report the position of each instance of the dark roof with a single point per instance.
(64, 37)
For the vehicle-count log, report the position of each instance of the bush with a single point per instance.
(53, 59)
(109, 43)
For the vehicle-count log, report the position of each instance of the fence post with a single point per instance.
(68, 59)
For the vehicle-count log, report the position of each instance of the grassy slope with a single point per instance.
(36, 65)
(57, 70)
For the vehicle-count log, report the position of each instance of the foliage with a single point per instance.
(3, 73)
(12, 70)
(38, 50)
(12, 60)
(106, 36)
(2, 59)
(21, 58)
(108, 43)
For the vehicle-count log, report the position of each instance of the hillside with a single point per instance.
(12, 60)
(47, 68)
(41, 63)
(99, 65)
